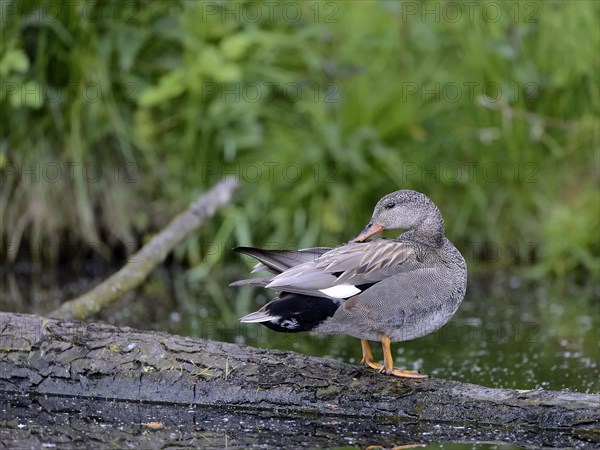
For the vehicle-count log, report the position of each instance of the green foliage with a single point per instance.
(319, 108)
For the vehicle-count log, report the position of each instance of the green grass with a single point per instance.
(166, 98)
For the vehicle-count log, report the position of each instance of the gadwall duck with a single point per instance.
(388, 290)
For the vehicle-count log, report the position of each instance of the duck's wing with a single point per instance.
(349, 269)
(277, 261)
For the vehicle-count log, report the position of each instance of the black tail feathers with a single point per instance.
(292, 313)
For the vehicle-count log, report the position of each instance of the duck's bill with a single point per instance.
(371, 229)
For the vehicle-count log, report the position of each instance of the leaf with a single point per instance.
(170, 85)
(234, 47)
(14, 60)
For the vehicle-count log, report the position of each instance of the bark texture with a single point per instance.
(93, 361)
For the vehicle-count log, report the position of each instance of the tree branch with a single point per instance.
(149, 256)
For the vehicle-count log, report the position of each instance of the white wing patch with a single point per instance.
(341, 291)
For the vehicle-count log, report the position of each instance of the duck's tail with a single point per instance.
(291, 313)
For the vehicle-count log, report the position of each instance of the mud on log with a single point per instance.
(98, 361)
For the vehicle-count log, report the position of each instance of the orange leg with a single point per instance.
(388, 362)
(367, 358)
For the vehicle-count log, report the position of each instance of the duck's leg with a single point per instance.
(367, 358)
(388, 362)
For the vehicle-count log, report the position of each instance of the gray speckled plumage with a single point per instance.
(402, 288)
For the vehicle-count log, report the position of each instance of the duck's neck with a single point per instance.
(431, 230)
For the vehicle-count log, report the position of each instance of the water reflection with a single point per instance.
(59, 422)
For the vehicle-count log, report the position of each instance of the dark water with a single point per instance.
(509, 332)
(58, 422)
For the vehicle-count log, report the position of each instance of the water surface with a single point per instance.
(508, 333)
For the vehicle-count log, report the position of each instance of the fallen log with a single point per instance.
(94, 361)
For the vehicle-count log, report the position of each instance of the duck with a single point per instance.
(386, 290)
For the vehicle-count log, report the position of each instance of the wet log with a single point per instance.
(80, 360)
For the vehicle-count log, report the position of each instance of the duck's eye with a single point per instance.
(389, 205)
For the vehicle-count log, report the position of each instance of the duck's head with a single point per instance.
(404, 209)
